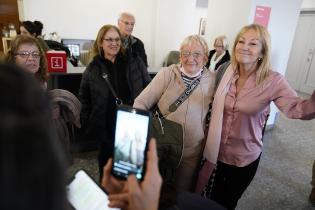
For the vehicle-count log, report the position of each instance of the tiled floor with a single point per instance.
(284, 174)
(86, 161)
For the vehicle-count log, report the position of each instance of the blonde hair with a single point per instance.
(263, 62)
(196, 38)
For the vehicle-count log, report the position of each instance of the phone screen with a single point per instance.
(131, 135)
(85, 194)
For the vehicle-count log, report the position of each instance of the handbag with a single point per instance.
(170, 142)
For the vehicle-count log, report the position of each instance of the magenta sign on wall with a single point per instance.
(262, 15)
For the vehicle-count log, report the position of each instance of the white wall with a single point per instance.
(82, 19)
(176, 19)
(282, 24)
(308, 4)
(160, 24)
(223, 20)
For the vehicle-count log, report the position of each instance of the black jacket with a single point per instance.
(98, 104)
(137, 48)
(224, 59)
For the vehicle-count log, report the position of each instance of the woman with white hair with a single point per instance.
(167, 86)
(220, 54)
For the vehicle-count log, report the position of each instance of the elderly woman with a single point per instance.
(128, 77)
(240, 108)
(167, 86)
(26, 52)
(220, 54)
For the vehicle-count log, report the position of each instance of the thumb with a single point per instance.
(133, 185)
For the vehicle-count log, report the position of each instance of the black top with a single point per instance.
(128, 76)
(135, 47)
(118, 78)
(224, 59)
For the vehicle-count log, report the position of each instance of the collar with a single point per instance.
(127, 41)
(190, 75)
(214, 62)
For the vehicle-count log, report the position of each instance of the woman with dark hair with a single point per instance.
(29, 28)
(26, 52)
(32, 171)
(128, 76)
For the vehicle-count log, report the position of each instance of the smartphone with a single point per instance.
(84, 194)
(131, 142)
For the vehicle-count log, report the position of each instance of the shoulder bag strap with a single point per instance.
(185, 94)
(117, 99)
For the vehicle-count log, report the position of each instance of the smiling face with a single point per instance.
(111, 44)
(248, 48)
(28, 57)
(192, 57)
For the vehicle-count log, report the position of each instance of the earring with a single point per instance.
(260, 59)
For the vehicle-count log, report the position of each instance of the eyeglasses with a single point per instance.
(195, 55)
(218, 46)
(128, 23)
(26, 54)
(111, 40)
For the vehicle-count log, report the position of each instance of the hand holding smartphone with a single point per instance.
(131, 142)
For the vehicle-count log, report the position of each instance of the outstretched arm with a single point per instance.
(286, 99)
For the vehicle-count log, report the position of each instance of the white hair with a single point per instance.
(123, 14)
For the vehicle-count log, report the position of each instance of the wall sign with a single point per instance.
(262, 15)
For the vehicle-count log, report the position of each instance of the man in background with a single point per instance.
(132, 44)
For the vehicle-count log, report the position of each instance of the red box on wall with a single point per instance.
(56, 61)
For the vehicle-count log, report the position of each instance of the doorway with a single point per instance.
(301, 66)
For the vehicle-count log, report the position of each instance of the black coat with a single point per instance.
(224, 59)
(98, 104)
(137, 48)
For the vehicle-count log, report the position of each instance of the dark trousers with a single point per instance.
(230, 182)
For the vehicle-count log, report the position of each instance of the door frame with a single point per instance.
(301, 55)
